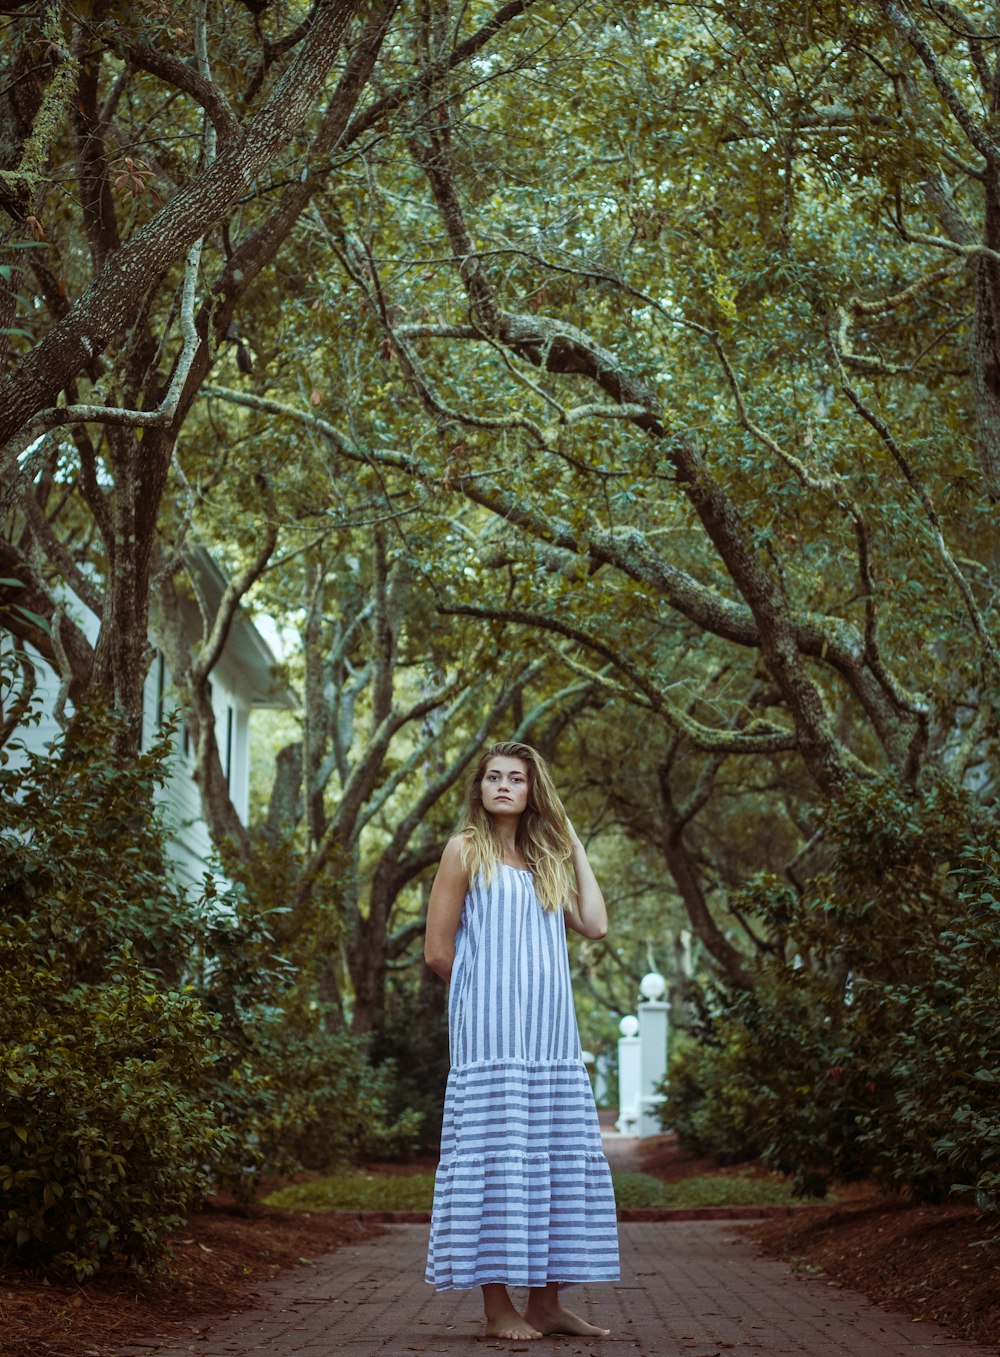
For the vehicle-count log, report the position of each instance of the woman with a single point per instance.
(523, 1193)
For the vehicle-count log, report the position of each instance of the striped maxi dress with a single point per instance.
(523, 1192)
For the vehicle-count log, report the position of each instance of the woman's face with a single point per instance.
(504, 787)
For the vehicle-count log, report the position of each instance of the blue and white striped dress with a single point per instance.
(523, 1192)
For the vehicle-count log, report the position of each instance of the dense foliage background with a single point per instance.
(619, 376)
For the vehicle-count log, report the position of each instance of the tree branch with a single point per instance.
(109, 303)
(162, 417)
(766, 740)
(59, 555)
(172, 71)
(233, 595)
(987, 644)
(973, 130)
(832, 641)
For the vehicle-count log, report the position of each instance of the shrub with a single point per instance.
(412, 1041)
(107, 1130)
(637, 1189)
(105, 1139)
(296, 1094)
(710, 1100)
(942, 1129)
(150, 1045)
(869, 1045)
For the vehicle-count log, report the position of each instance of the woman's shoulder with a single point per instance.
(457, 847)
(454, 865)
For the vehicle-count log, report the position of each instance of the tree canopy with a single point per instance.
(626, 375)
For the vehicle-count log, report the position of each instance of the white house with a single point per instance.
(242, 681)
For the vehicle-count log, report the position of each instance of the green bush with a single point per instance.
(869, 1047)
(150, 1045)
(637, 1189)
(412, 1041)
(296, 1094)
(943, 1048)
(710, 1100)
(108, 1131)
(105, 1139)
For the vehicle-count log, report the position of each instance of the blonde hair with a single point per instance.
(542, 829)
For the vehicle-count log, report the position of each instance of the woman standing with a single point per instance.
(523, 1193)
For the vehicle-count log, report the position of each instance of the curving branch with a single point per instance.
(988, 645)
(828, 640)
(110, 302)
(905, 703)
(361, 782)
(45, 421)
(759, 738)
(682, 868)
(882, 306)
(236, 590)
(172, 71)
(60, 556)
(434, 73)
(65, 668)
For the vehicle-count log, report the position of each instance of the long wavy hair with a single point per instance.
(542, 830)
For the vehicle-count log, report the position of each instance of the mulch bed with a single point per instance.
(928, 1261)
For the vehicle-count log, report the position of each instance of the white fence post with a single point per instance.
(629, 1077)
(652, 1051)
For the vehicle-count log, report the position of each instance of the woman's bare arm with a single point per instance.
(444, 910)
(586, 912)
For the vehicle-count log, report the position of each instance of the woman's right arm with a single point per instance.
(444, 910)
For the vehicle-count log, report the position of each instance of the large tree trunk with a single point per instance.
(123, 652)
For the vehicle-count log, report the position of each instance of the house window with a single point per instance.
(161, 679)
(229, 745)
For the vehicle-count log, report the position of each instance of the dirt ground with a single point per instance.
(927, 1261)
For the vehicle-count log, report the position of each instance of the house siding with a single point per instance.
(189, 846)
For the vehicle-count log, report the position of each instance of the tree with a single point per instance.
(396, 704)
(708, 377)
(229, 163)
(719, 397)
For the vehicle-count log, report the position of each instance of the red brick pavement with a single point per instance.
(688, 1289)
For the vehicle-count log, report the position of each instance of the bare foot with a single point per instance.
(557, 1319)
(509, 1325)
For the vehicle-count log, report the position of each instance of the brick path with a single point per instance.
(688, 1289)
